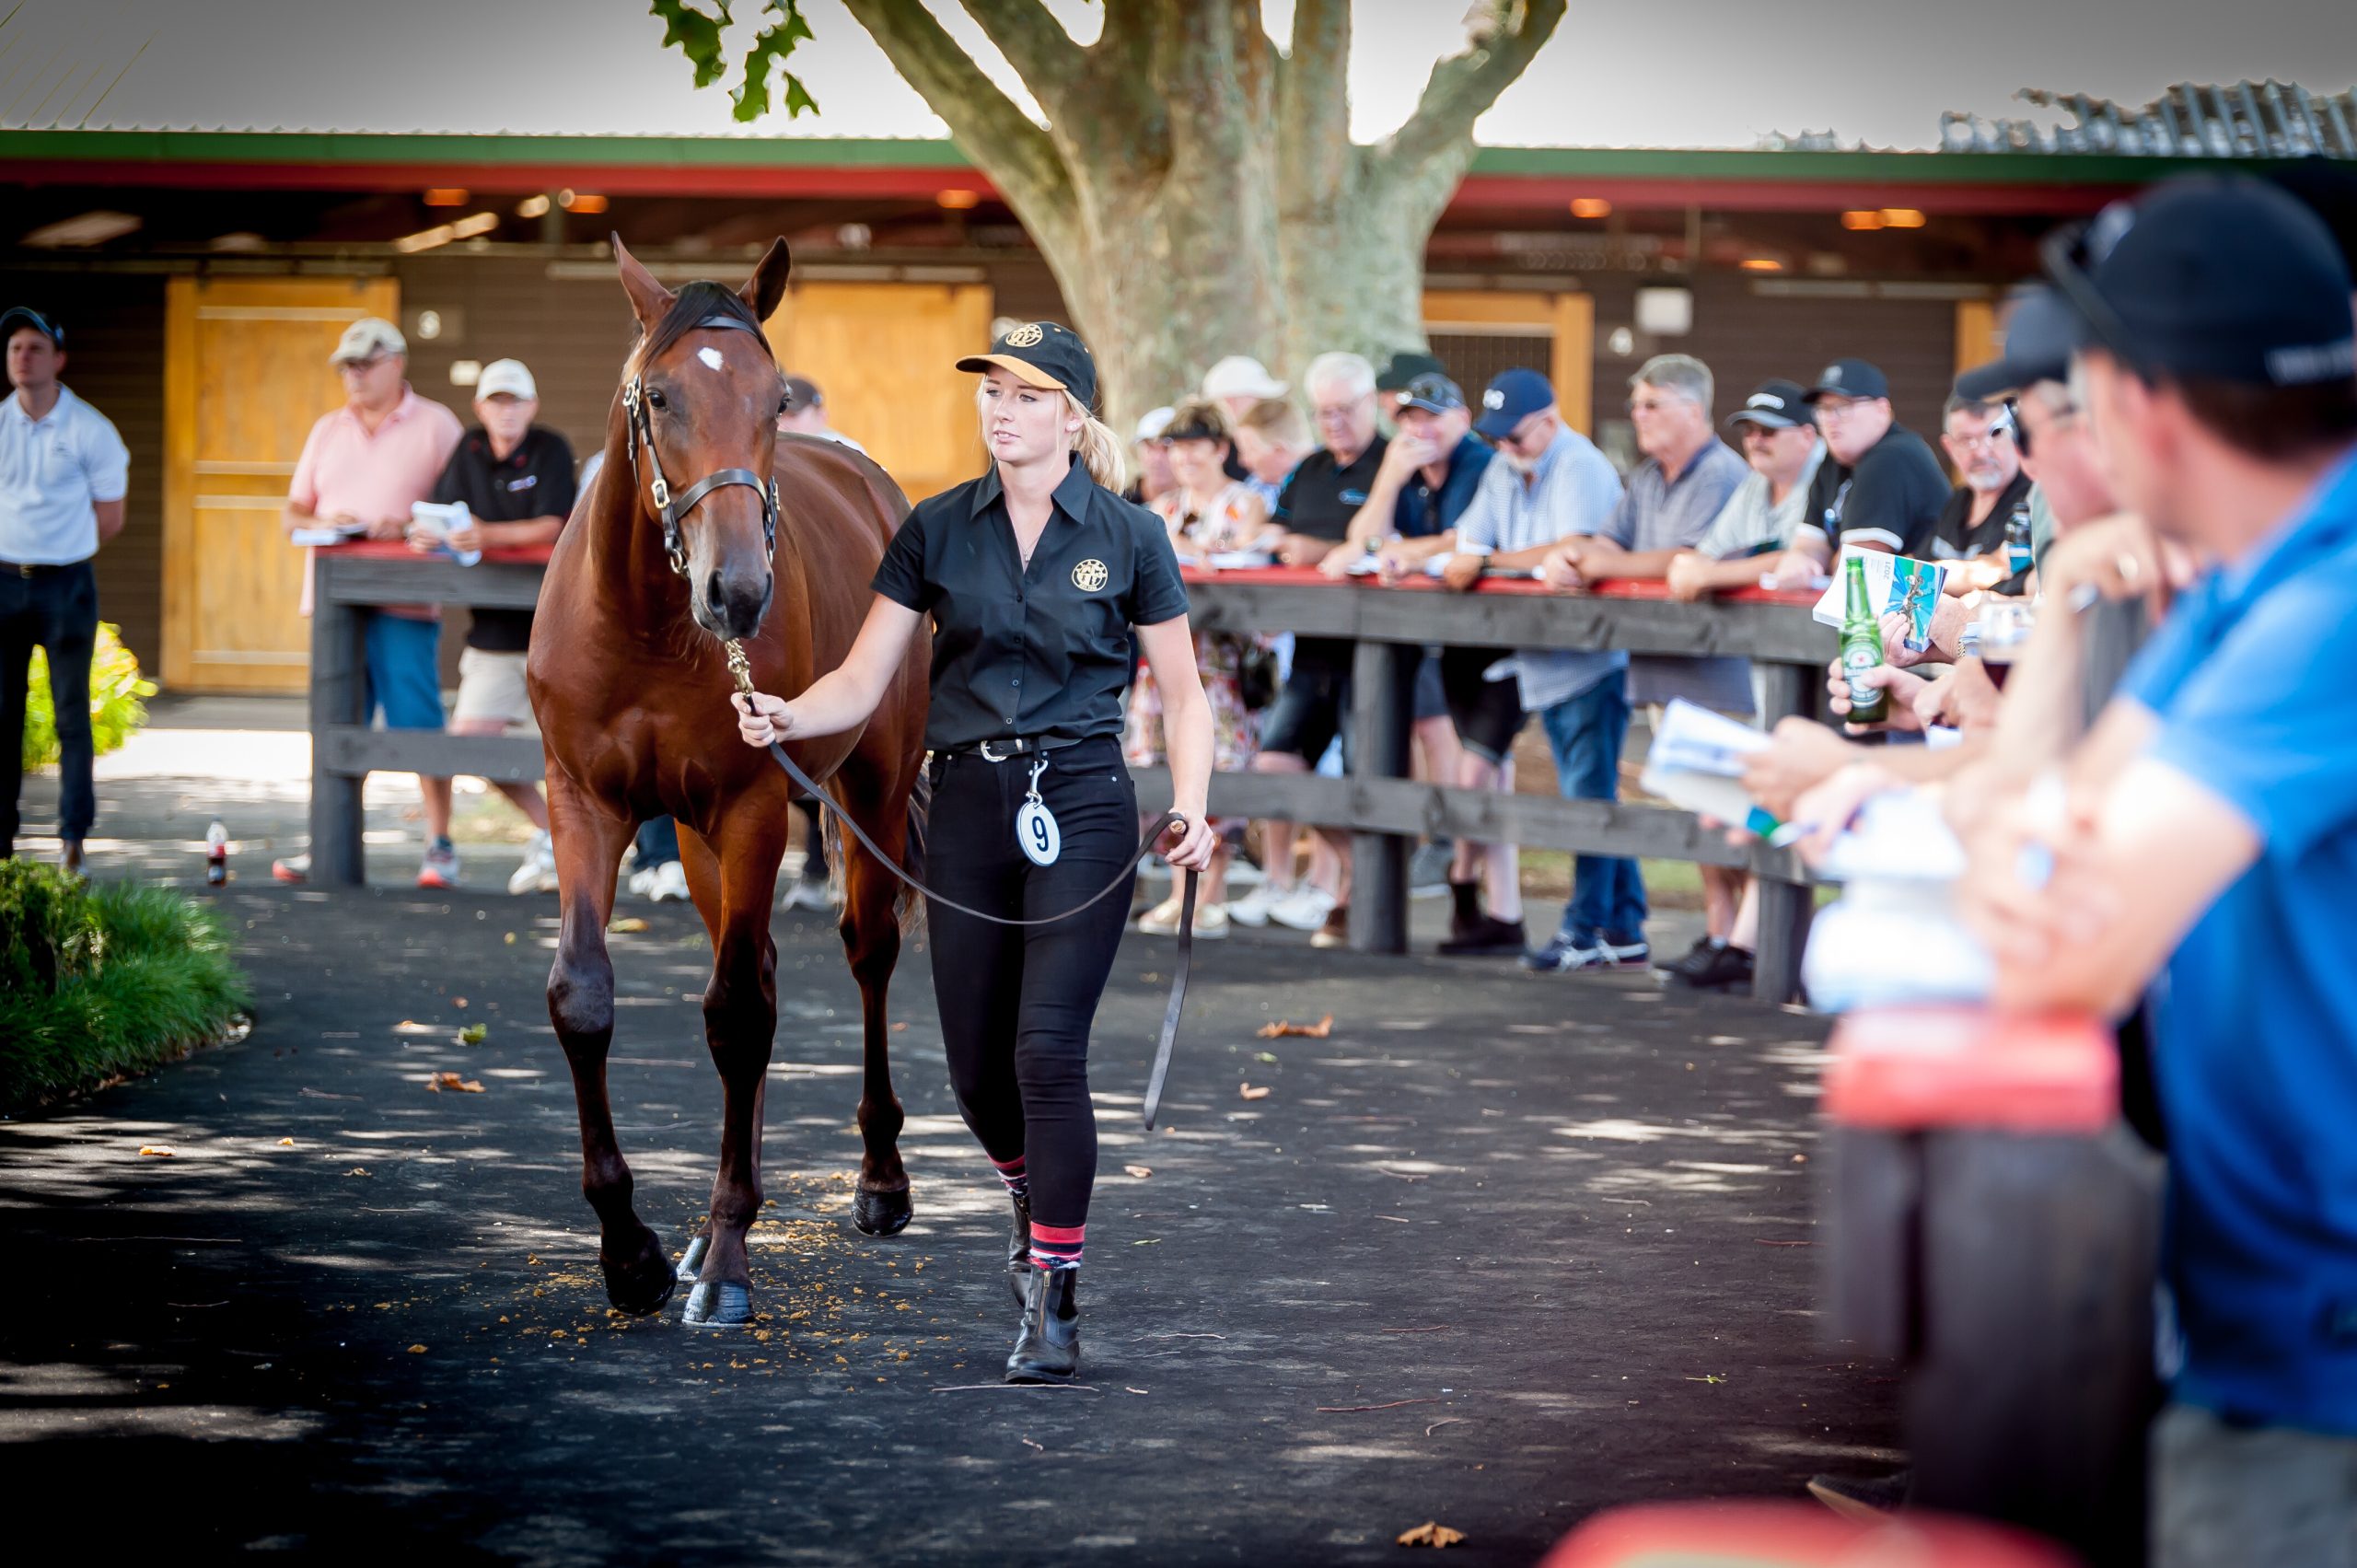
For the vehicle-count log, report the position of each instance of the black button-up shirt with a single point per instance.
(536, 481)
(1041, 652)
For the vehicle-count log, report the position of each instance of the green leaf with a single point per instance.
(774, 44)
(117, 711)
(474, 1034)
(696, 34)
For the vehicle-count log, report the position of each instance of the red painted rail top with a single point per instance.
(1791, 1534)
(1906, 1069)
(394, 550)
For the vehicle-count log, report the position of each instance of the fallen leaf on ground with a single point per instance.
(156, 1151)
(509, 939)
(1268, 1056)
(452, 1082)
(460, 1001)
(1140, 1171)
(627, 923)
(285, 1143)
(1249, 1092)
(310, 1093)
(1708, 1377)
(357, 1171)
(474, 1034)
(417, 1350)
(1284, 1026)
(1430, 1533)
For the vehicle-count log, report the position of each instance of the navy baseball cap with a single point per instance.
(2039, 336)
(1777, 404)
(17, 316)
(1042, 354)
(2215, 278)
(1432, 392)
(1513, 397)
(1849, 378)
(1402, 370)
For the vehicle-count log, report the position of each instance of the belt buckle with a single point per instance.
(989, 755)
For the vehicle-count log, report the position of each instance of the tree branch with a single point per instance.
(1055, 68)
(1314, 104)
(1463, 86)
(1004, 142)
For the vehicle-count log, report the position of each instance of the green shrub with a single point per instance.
(117, 711)
(100, 983)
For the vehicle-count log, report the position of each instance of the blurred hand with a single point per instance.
(1189, 842)
(389, 528)
(1300, 550)
(763, 720)
(1829, 807)
(1560, 567)
(1965, 697)
(1794, 568)
(1393, 564)
(1337, 565)
(2119, 556)
(1462, 571)
(1903, 688)
(1799, 756)
(1688, 575)
(2032, 884)
(420, 539)
(467, 538)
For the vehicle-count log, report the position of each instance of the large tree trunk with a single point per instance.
(1195, 192)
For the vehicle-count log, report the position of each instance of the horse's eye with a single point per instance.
(656, 400)
(786, 402)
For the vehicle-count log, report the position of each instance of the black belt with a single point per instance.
(1008, 749)
(1019, 746)
(37, 569)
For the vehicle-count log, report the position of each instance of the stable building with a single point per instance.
(205, 276)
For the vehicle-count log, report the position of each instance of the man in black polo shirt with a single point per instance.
(1883, 489)
(1978, 439)
(516, 480)
(1315, 509)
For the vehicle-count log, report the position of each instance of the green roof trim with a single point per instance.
(361, 149)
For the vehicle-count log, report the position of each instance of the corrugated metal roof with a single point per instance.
(2248, 119)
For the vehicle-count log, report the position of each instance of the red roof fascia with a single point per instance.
(612, 180)
(1554, 192)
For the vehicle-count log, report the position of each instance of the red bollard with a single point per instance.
(1993, 1226)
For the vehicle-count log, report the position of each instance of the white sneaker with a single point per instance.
(538, 874)
(1304, 909)
(668, 881)
(1162, 919)
(805, 893)
(1252, 909)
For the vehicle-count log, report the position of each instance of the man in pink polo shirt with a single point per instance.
(366, 465)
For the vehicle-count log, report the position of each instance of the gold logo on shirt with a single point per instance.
(1090, 575)
(1025, 336)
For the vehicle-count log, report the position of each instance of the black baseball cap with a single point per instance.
(1433, 393)
(1849, 379)
(1042, 354)
(1401, 370)
(1776, 404)
(2219, 278)
(803, 392)
(26, 316)
(2040, 335)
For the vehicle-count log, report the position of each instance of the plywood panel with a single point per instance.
(247, 375)
(882, 353)
(1975, 334)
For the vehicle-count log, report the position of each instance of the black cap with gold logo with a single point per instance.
(1042, 354)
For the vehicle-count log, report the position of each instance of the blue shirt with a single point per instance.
(2256, 1023)
(1571, 488)
(1426, 508)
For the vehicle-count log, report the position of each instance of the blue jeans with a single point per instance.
(1585, 732)
(404, 671)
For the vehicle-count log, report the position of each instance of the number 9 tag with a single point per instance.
(1035, 832)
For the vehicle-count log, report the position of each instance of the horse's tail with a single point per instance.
(911, 905)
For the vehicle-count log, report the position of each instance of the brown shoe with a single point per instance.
(1336, 932)
(70, 862)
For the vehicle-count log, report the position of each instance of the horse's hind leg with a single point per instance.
(739, 1025)
(871, 932)
(581, 1004)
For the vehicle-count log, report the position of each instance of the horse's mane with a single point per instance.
(696, 303)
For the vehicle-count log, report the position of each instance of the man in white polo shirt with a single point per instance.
(64, 472)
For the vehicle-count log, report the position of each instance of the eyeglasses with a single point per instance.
(1652, 405)
(2071, 254)
(361, 367)
(1833, 407)
(1334, 413)
(2057, 420)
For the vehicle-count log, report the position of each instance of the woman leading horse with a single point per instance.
(1033, 576)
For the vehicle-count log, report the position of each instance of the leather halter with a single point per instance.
(670, 508)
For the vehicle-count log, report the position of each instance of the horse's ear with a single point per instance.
(648, 300)
(767, 285)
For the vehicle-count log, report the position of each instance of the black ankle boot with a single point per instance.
(1465, 911)
(1048, 1351)
(1018, 1247)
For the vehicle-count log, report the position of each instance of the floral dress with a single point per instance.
(1232, 521)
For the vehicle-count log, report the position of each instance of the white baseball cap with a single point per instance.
(1241, 375)
(506, 375)
(1151, 427)
(368, 338)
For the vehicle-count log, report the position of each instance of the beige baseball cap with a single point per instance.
(368, 338)
(506, 375)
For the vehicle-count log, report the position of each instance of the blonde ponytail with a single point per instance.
(1099, 449)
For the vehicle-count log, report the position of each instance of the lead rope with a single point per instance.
(740, 670)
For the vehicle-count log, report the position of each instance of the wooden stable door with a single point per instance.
(882, 353)
(246, 375)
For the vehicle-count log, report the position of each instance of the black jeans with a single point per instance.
(1016, 1005)
(58, 612)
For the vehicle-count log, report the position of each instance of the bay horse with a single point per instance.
(678, 548)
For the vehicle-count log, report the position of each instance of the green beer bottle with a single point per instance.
(1861, 646)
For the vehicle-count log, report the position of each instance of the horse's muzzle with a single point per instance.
(732, 604)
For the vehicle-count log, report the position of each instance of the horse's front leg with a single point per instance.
(871, 932)
(740, 1026)
(589, 845)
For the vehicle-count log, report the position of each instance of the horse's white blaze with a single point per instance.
(710, 356)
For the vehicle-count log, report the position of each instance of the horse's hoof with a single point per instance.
(642, 1286)
(691, 1261)
(722, 1304)
(880, 1211)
